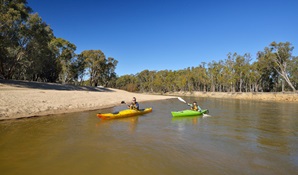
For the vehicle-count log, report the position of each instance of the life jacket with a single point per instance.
(195, 108)
(134, 106)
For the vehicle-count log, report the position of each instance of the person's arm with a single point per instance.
(199, 108)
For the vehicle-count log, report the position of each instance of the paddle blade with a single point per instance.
(179, 98)
(206, 115)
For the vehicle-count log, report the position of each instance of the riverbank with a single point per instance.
(21, 99)
(261, 96)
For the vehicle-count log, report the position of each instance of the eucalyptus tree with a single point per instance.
(13, 35)
(80, 68)
(190, 79)
(241, 68)
(181, 80)
(220, 78)
(293, 71)
(202, 77)
(268, 73)
(101, 70)
(65, 54)
(215, 70)
(145, 80)
(280, 55)
(230, 72)
(94, 62)
(160, 83)
(108, 76)
(42, 62)
(254, 77)
(127, 82)
(227, 75)
(77, 70)
(170, 80)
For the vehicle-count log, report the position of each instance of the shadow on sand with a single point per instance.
(52, 86)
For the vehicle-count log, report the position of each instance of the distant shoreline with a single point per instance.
(260, 96)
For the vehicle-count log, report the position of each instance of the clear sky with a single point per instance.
(170, 34)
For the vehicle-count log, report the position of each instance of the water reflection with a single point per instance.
(183, 122)
(131, 122)
(186, 120)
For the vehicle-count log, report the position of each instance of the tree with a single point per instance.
(39, 56)
(293, 71)
(127, 82)
(241, 69)
(13, 35)
(109, 76)
(145, 80)
(280, 55)
(65, 53)
(254, 77)
(101, 70)
(214, 72)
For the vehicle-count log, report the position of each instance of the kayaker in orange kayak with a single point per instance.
(134, 104)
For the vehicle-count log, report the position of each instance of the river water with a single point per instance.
(239, 137)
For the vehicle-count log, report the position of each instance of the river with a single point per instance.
(239, 137)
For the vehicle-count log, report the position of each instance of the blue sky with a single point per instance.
(170, 34)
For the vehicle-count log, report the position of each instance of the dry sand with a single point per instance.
(19, 99)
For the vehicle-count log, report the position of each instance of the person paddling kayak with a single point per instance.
(194, 106)
(134, 104)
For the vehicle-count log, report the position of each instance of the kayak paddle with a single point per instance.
(180, 99)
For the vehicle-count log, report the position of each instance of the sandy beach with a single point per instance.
(20, 99)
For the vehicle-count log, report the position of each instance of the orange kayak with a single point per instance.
(124, 113)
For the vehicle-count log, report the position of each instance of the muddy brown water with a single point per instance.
(240, 137)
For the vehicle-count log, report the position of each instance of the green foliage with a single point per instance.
(127, 82)
(30, 51)
(101, 70)
(64, 55)
(293, 71)
(277, 57)
(13, 35)
(234, 74)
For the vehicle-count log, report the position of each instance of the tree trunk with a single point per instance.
(282, 86)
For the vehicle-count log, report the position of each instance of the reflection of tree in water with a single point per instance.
(133, 121)
(186, 120)
(275, 131)
(256, 117)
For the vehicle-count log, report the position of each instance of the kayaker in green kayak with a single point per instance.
(134, 104)
(194, 106)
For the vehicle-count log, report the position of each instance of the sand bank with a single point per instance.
(19, 99)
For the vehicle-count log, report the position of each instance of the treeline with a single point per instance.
(275, 70)
(30, 51)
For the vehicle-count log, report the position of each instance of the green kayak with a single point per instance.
(186, 113)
